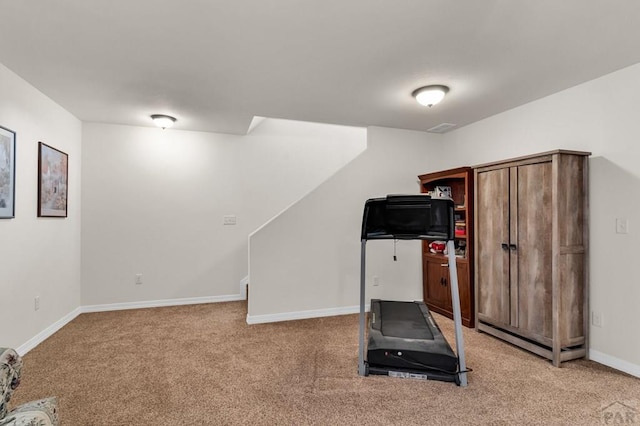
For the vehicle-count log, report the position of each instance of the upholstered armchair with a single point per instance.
(43, 412)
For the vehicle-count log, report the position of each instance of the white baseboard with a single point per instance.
(48, 332)
(614, 362)
(161, 303)
(315, 313)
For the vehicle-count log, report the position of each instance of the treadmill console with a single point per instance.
(405, 217)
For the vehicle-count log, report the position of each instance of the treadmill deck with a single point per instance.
(403, 337)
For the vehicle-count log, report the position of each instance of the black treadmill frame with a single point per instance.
(375, 226)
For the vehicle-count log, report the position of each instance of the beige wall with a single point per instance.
(38, 256)
(306, 262)
(154, 201)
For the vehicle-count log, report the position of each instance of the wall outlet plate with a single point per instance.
(622, 225)
(596, 319)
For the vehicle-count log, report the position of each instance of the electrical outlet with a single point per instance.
(596, 319)
(229, 220)
(36, 303)
(138, 279)
(622, 226)
(376, 281)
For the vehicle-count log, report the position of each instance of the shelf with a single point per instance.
(436, 297)
(445, 259)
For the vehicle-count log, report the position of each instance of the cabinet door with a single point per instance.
(464, 289)
(532, 284)
(436, 290)
(492, 215)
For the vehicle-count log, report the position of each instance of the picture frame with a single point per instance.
(53, 181)
(7, 173)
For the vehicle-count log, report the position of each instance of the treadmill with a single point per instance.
(404, 339)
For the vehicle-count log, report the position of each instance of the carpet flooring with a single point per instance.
(203, 365)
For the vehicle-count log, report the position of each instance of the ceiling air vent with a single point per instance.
(442, 128)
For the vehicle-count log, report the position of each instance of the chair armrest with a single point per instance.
(43, 412)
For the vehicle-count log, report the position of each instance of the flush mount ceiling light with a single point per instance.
(430, 95)
(164, 121)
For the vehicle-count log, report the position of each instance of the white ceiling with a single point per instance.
(215, 64)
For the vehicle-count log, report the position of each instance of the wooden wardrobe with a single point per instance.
(531, 252)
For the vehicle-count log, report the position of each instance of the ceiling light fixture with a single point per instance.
(430, 95)
(164, 121)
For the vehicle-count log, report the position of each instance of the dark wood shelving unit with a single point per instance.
(435, 272)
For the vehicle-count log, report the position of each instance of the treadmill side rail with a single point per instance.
(362, 368)
(457, 315)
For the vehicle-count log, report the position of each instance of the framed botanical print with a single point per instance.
(53, 181)
(7, 173)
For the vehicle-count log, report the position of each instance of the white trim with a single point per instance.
(255, 122)
(315, 313)
(613, 362)
(161, 303)
(48, 332)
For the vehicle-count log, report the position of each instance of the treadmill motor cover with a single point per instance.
(404, 335)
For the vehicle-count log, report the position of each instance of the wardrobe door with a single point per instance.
(531, 258)
(492, 237)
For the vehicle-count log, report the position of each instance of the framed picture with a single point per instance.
(53, 181)
(7, 173)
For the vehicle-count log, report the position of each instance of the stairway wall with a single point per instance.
(306, 261)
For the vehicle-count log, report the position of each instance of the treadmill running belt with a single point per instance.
(404, 320)
(403, 335)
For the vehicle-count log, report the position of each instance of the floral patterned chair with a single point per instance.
(43, 412)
